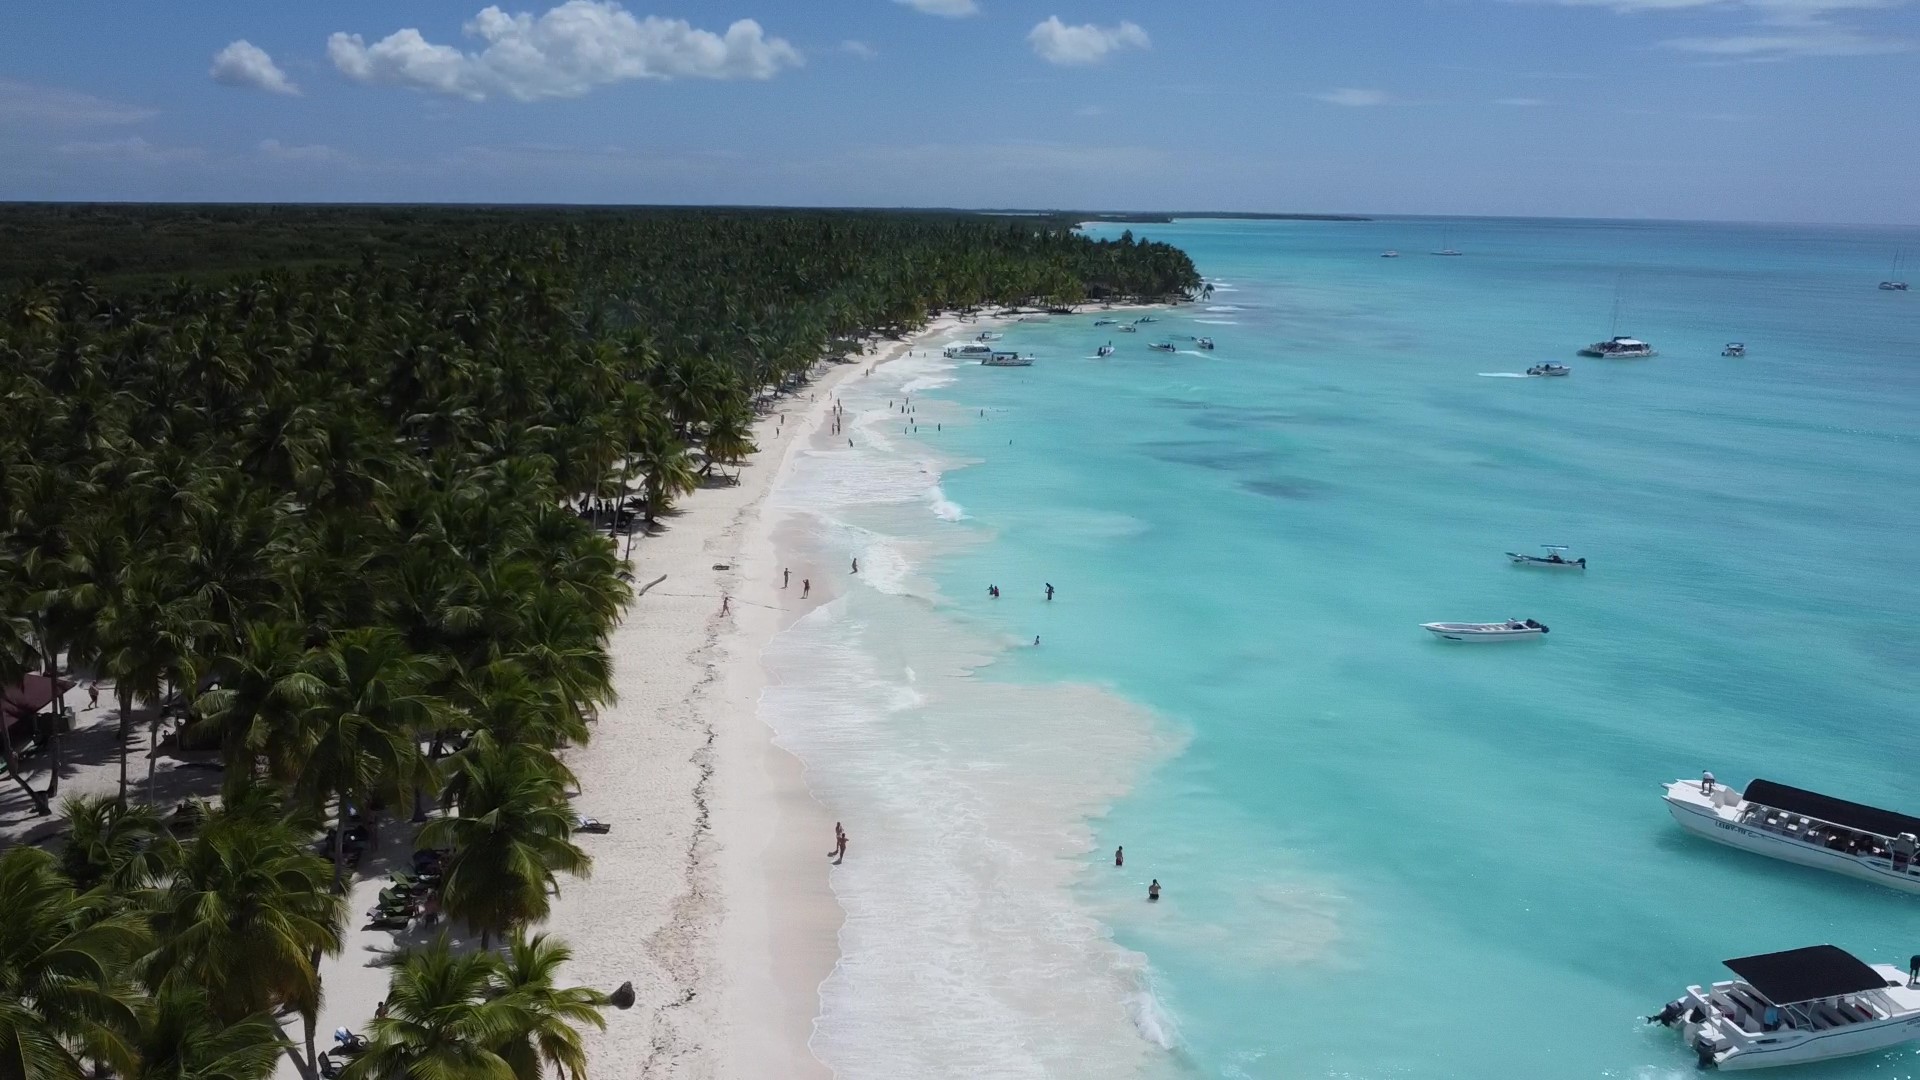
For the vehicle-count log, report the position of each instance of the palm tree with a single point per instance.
(546, 1018)
(511, 835)
(662, 458)
(261, 703)
(126, 848)
(181, 1040)
(63, 995)
(442, 1021)
(248, 913)
(361, 733)
(729, 437)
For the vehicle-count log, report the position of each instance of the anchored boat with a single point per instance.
(967, 350)
(1620, 348)
(1802, 827)
(1164, 346)
(1511, 630)
(1006, 359)
(1794, 1007)
(1734, 348)
(1554, 559)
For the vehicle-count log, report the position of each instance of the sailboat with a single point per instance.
(1446, 245)
(1893, 282)
(1617, 347)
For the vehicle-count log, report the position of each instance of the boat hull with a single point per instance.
(1703, 822)
(1545, 564)
(1468, 635)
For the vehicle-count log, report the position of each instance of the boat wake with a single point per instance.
(1503, 375)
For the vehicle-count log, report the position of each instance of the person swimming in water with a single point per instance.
(1049, 590)
(1119, 856)
(1153, 890)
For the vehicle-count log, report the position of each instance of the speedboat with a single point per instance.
(1734, 348)
(1104, 350)
(1894, 286)
(1164, 346)
(1389, 254)
(1511, 630)
(1446, 251)
(1105, 322)
(1795, 1007)
(1205, 343)
(1620, 348)
(987, 335)
(967, 350)
(1802, 827)
(1554, 559)
(1006, 359)
(1129, 328)
(1549, 369)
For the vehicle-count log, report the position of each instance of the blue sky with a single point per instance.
(1783, 110)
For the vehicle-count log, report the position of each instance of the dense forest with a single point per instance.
(337, 496)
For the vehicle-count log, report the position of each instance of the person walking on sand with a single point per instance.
(806, 586)
(838, 835)
(1119, 856)
(1153, 890)
(93, 695)
(856, 566)
(726, 604)
(786, 576)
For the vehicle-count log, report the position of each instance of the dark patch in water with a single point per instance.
(1211, 455)
(1291, 488)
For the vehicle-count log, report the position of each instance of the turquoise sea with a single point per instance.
(1384, 857)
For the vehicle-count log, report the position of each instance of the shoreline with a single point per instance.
(709, 894)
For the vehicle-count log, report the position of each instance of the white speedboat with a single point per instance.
(1620, 348)
(987, 335)
(1389, 254)
(1164, 346)
(1795, 1007)
(1802, 827)
(1511, 630)
(997, 358)
(1554, 559)
(1447, 251)
(967, 350)
(1104, 350)
(1548, 369)
(1205, 343)
(1894, 286)
(1129, 328)
(1734, 348)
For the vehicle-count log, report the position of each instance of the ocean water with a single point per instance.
(1384, 857)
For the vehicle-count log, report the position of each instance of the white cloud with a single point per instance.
(243, 63)
(1058, 43)
(25, 103)
(952, 9)
(1818, 41)
(1520, 102)
(566, 52)
(860, 49)
(1353, 97)
(131, 149)
(311, 153)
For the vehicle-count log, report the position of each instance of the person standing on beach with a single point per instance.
(806, 586)
(856, 566)
(839, 844)
(1119, 856)
(93, 695)
(786, 576)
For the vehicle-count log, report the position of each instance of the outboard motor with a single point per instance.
(1667, 1016)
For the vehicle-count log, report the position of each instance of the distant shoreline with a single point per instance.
(1167, 218)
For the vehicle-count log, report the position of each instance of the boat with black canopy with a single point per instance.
(1790, 1008)
(1802, 827)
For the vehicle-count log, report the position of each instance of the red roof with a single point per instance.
(27, 697)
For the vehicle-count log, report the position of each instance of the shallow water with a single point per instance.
(1384, 856)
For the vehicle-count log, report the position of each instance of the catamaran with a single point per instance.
(1893, 282)
(1802, 827)
(1620, 348)
(1795, 1007)
(996, 358)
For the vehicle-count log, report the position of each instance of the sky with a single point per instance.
(1749, 110)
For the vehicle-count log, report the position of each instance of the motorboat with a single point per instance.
(1802, 827)
(1105, 322)
(987, 335)
(1447, 251)
(1554, 559)
(1620, 348)
(1129, 328)
(967, 350)
(1894, 286)
(1389, 254)
(1164, 346)
(996, 358)
(1146, 318)
(1511, 630)
(1205, 343)
(1790, 1008)
(1538, 370)
(1734, 348)
(1104, 350)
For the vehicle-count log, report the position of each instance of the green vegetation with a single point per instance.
(345, 504)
